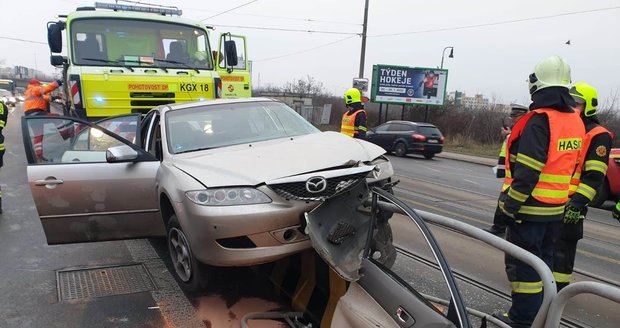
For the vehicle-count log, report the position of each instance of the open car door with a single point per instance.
(382, 291)
(88, 183)
(233, 67)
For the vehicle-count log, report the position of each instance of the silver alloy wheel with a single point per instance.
(180, 254)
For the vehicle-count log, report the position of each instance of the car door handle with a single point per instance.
(49, 181)
(404, 317)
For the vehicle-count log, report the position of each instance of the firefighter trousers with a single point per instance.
(537, 238)
(564, 253)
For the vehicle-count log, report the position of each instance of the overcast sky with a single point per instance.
(493, 58)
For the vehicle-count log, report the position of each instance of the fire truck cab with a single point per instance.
(128, 59)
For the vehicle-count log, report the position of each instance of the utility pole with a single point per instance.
(363, 54)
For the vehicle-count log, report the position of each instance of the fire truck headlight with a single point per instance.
(99, 100)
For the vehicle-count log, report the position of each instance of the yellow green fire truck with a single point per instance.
(128, 59)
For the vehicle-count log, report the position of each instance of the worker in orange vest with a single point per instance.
(542, 153)
(36, 102)
(354, 119)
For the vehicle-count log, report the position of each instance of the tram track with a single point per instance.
(565, 322)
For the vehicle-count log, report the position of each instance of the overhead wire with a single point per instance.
(229, 10)
(306, 50)
(288, 29)
(495, 23)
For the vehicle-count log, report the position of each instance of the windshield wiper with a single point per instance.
(176, 62)
(194, 149)
(141, 62)
(108, 62)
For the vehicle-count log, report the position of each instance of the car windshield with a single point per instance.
(121, 42)
(213, 126)
(429, 131)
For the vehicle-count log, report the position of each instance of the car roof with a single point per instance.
(412, 123)
(210, 102)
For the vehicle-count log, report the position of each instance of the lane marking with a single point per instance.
(474, 182)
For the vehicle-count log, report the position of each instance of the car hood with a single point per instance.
(256, 163)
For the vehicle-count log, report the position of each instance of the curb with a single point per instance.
(468, 158)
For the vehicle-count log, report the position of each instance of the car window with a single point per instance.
(383, 127)
(123, 126)
(394, 127)
(429, 131)
(61, 140)
(222, 125)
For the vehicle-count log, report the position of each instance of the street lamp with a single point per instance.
(451, 55)
(443, 54)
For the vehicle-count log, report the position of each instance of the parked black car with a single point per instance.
(405, 137)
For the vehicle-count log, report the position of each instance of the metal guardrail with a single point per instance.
(574, 289)
(507, 247)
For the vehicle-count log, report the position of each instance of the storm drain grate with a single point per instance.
(103, 281)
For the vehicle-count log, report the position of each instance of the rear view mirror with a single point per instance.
(230, 47)
(54, 36)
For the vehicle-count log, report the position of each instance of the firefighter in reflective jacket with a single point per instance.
(543, 149)
(354, 120)
(516, 112)
(587, 179)
(36, 102)
(4, 114)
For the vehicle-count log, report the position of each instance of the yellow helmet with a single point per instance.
(584, 93)
(549, 72)
(352, 95)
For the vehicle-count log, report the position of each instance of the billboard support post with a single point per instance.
(426, 115)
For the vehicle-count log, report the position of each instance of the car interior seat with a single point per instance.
(178, 52)
(183, 136)
(88, 49)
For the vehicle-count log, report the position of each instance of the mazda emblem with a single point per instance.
(316, 184)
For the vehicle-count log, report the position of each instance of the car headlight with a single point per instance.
(383, 169)
(228, 196)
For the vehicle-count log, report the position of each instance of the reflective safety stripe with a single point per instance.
(362, 128)
(520, 197)
(594, 165)
(505, 186)
(554, 178)
(512, 159)
(2, 146)
(508, 174)
(586, 190)
(549, 193)
(538, 210)
(562, 277)
(523, 287)
(501, 167)
(2, 124)
(530, 162)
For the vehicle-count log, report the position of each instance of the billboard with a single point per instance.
(408, 85)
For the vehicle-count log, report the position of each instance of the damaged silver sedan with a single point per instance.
(227, 181)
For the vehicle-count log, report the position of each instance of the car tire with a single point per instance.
(601, 195)
(400, 149)
(429, 155)
(188, 271)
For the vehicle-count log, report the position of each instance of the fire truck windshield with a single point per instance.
(138, 43)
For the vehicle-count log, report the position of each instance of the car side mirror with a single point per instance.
(54, 36)
(121, 154)
(57, 60)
